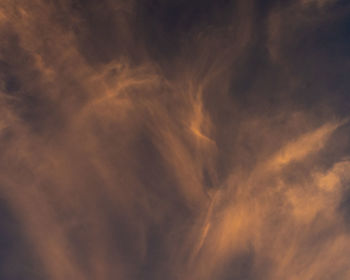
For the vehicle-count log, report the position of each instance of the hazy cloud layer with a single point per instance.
(192, 140)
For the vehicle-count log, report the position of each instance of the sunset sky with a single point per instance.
(174, 140)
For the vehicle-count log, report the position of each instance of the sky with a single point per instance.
(174, 139)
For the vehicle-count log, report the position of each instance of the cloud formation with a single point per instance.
(191, 140)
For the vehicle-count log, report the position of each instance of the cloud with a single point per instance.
(176, 139)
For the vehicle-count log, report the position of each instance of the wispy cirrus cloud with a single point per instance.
(177, 139)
